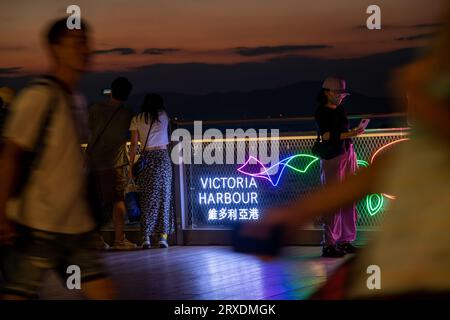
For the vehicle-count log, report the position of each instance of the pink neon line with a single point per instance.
(258, 175)
(264, 174)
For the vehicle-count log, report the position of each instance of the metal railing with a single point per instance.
(199, 206)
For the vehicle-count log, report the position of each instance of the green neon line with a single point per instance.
(373, 210)
(307, 167)
(362, 163)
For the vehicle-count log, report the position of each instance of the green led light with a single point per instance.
(372, 208)
(312, 159)
(362, 163)
(374, 202)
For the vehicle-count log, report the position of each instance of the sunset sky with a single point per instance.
(134, 33)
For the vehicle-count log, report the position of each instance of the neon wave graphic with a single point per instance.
(279, 167)
(374, 202)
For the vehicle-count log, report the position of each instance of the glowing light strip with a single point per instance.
(236, 139)
(386, 146)
(265, 174)
(287, 138)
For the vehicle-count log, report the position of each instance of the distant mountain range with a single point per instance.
(296, 100)
(286, 85)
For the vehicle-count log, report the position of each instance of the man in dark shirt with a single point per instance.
(109, 123)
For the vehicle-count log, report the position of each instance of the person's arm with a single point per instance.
(133, 145)
(346, 135)
(169, 131)
(134, 130)
(329, 133)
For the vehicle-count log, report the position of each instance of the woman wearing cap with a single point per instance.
(336, 163)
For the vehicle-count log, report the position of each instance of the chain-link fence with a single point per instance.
(219, 195)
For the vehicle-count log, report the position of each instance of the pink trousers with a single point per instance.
(341, 226)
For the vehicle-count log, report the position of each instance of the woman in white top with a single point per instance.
(150, 128)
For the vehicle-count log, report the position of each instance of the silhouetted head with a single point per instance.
(152, 106)
(121, 89)
(333, 92)
(68, 48)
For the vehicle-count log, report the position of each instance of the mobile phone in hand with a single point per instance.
(363, 124)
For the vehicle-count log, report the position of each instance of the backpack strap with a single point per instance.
(91, 146)
(45, 124)
(31, 159)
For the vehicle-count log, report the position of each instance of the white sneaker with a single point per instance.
(146, 244)
(124, 245)
(105, 246)
(101, 244)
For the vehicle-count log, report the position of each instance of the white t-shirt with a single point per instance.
(54, 198)
(413, 248)
(158, 135)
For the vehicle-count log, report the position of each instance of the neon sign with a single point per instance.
(374, 202)
(372, 208)
(229, 198)
(265, 173)
(362, 163)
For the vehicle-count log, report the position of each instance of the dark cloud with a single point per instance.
(160, 51)
(417, 37)
(392, 26)
(259, 51)
(383, 26)
(119, 51)
(10, 70)
(427, 25)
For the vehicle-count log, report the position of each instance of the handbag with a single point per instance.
(138, 166)
(325, 150)
(132, 202)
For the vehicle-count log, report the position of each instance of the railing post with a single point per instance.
(180, 198)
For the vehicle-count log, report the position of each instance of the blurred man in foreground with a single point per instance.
(44, 212)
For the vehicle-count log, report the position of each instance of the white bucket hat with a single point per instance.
(335, 84)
